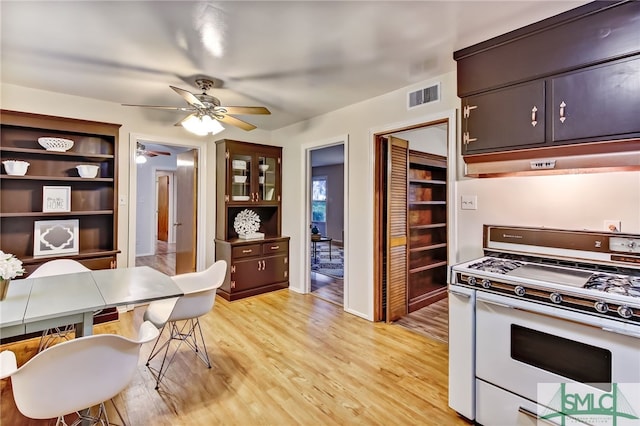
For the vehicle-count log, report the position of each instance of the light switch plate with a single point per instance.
(469, 202)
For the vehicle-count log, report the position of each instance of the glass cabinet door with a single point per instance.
(267, 178)
(240, 179)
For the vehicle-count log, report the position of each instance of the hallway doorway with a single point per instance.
(166, 208)
(326, 189)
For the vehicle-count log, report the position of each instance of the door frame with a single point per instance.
(202, 239)
(449, 117)
(305, 209)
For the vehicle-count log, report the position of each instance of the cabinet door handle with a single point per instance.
(466, 139)
(466, 112)
(259, 265)
(562, 111)
(247, 251)
(275, 247)
(264, 265)
(534, 116)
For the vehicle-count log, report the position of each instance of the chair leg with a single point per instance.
(124, 423)
(188, 334)
(51, 334)
(86, 418)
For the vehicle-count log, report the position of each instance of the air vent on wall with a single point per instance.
(424, 96)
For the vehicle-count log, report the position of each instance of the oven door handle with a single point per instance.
(620, 331)
(457, 293)
(533, 415)
(492, 302)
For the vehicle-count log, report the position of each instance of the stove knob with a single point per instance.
(486, 283)
(519, 290)
(555, 297)
(471, 280)
(625, 312)
(601, 307)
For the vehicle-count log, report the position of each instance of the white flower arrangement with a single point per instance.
(10, 266)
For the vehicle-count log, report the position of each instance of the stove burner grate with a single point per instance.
(624, 285)
(499, 266)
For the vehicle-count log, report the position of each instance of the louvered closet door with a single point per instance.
(397, 229)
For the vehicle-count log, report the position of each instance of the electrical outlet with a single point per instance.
(612, 225)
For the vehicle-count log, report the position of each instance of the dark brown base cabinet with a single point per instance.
(255, 266)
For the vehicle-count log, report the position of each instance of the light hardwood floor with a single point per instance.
(283, 359)
(431, 321)
(163, 260)
(328, 288)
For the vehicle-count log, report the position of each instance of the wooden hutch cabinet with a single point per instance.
(90, 201)
(249, 178)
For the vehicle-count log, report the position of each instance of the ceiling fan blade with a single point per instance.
(179, 123)
(246, 110)
(159, 152)
(185, 109)
(188, 96)
(227, 119)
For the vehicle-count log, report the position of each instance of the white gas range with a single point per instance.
(542, 306)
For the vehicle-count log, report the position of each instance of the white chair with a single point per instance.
(199, 290)
(56, 267)
(76, 375)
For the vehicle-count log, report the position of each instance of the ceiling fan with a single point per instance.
(206, 110)
(142, 150)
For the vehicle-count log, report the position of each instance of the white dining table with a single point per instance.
(38, 304)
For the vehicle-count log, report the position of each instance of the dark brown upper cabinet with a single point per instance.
(570, 79)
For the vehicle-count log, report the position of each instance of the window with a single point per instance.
(319, 199)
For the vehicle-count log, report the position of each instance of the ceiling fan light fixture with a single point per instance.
(203, 125)
(140, 159)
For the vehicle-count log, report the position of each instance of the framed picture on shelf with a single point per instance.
(56, 199)
(53, 237)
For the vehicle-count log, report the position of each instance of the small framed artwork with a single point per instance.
(53, 237)
(56, 199)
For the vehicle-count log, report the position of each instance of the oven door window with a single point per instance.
(574, 360)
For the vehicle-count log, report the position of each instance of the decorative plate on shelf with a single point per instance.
(55, 144)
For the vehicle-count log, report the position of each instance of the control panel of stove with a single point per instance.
(624, 244)
(588, 302)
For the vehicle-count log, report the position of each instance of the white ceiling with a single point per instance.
(298, 58)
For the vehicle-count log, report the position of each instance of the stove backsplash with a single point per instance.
(565, 202)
